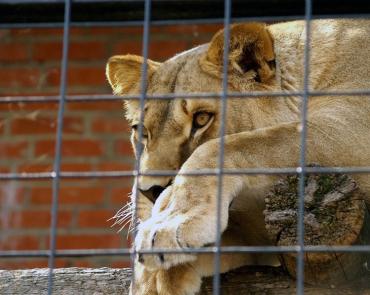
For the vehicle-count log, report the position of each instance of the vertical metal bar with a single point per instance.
(227, 13)
(303, 144)
(58, 143)
(139, 147)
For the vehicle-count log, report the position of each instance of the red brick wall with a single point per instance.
(95, 137)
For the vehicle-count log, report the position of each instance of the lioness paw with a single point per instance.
(176, 224)
(165, 235)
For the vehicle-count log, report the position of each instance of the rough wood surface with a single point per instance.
(246, 280)
(334, 214)
(67, 281)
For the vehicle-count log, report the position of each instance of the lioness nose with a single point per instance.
(153, 193)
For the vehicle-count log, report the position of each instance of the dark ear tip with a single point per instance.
(251, 49)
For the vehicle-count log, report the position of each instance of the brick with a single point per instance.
(42, 196)
(19, 77)
(45, 125)
(158, 49)
(35, 32)
(68, 195)
(76, 167)
(46, 32)
(87, 51)
(123, 147)
(77, 51)
(161, 50)
(35, 219)
(28, 106)
(120, 195)
(193, 29)
(2, 125)
(96, 241)
(70, 167)
(31, 168)
(180, 29)
(53, 32)
(164, 49)
(95, 106)
(33, 126)
(9, 106)
(95, 218)
(4, 33)
(135, 30)
(13, 149)
(24, 263)
(11, 196)
(4, 169)
(79, 76)
(120, 264)
(12, 242)
(131, 47)
(13, 52)
(114, 167)
(87, 76)
(47, 51)
(53, 77)
(72, 148)
(78, 31)
(110, 125)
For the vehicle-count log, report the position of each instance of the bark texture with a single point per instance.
(335, 214)
(246, 280)
(67, 281)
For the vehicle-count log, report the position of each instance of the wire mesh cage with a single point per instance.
(148, 13)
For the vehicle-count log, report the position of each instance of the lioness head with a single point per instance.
(173, 129)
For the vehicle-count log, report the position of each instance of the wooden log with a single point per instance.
(335, 214)
(67, 281)
(246, 280)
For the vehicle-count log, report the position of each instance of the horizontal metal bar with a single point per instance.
(201, 172)
(236, 95)
(229, 249)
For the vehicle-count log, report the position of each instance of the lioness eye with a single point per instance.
(200, 119)
(144, 131)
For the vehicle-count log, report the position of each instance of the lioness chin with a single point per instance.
(183, 134)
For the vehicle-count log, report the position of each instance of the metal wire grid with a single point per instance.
(302, 170)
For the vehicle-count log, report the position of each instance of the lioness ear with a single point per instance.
(250, 49)
(124, 73)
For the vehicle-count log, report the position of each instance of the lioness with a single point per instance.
(183, 134)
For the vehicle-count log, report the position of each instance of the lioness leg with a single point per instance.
(185, 214)
(179, 280)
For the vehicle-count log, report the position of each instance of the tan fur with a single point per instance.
(261, 132)
(127, 68)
